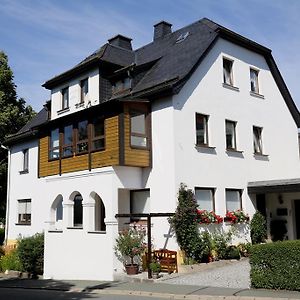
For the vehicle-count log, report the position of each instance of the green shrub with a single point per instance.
(2, 235)
(232, 252)
(276, 265)
(244, 249)
(31, 253)
(184, 222)
(258, 228)
(220, 243)
(10, 261)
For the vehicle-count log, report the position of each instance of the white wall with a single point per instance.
(204, 93)
(74, 94)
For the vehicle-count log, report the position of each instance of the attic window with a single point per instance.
(121, 85)
(182, 37)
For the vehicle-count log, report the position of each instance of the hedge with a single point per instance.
(276, 265)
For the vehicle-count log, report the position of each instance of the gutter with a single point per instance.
(7, 197)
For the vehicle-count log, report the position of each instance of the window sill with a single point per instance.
(59, 112)
(79, 228)
(97, 232)
(260, 155)
(253, 94)
(53, 159)
(204, 146)
(55, 231)
(24, 172)
(23, 224)
(139, 147)
(234, 151)
(231, 87)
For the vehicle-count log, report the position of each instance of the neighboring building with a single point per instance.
(202, 105)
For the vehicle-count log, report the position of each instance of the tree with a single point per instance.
(14, 114)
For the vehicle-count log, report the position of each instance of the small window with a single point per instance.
(82, 137)
(25, 160)
(138, 135)
(84, 86)
(139, 202)
(205, 198)
(54, 144)
(201, 129)
(254, 81)
(65, 98)
(230, 135)
(24, 211)
(67, 148)
(233, 199)
(227, 71)
(257, 141)
(78, 215)
(98, 134)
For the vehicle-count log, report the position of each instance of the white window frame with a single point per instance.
(25, 161)
(233, 139)
(254, 84)
(240, 192)
(228, 78)
(204, 189)
(24, 212)
(205, 130)
(257, 140)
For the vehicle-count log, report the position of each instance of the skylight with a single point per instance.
(182, 37)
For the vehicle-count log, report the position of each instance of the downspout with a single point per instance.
(7, 196)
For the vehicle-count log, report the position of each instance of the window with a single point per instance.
(65, 98)
(227, 71)
(139, 202)
(98, 134)
(59, 211)
(82, 137)
(24, 211)
(54, 144)
(201, 130)
(67, 148)
(121, 85)
(254, 81)
(205, 198)
(25, 153)
(78, 216)
(230, 135)
(138, 136)
(233, 199)
(257, 141)
(84, 86)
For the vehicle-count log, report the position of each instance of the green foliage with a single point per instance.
(2, 252)
(276, 265)
(31, 253)
(130, 243)
(220, 242)
(232, 252)
(184, 222)
(154, 267)
(258, 228)
(2, 235)
(10, 261)
(244, 249)
(278, 230)
(14, 114)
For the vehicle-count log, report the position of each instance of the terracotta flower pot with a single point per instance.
(132, 269)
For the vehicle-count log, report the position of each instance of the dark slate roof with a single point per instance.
(30, 129)
(167, 64)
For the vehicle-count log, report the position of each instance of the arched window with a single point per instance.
(77, 211)
(59, 210)
(99, 214)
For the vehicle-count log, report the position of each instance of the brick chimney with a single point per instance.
(161, 29)
(121, 41)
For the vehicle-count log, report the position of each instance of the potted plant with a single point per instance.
(155, 269)
(130, 245)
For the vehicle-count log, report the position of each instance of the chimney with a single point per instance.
(161, 29)
(121, 41)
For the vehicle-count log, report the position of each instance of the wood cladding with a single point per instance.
(114, 126)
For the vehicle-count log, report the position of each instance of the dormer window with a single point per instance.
(121, 85)
(65, 98)
(84, 86)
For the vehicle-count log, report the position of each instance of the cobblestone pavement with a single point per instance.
(233, 275)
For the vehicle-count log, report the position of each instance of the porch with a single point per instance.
(279, 202)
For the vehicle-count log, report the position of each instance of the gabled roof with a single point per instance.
(170, 61)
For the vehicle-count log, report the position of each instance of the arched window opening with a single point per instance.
(78, 211)
(59, 211)
(99, 215)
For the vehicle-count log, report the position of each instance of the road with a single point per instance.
(32, 294)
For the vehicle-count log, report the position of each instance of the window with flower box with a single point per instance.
(233, 199)
(205, 198)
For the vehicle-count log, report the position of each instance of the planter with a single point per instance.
(132, 269)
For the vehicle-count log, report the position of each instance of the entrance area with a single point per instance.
(297, 218)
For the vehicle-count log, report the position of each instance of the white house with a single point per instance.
(123, 128)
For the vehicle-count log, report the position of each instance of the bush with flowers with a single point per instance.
(130, 244)
(236, 217)
(208, 217)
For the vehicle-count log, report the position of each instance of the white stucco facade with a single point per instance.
(87, 253)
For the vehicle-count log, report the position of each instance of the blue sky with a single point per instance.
(45, 38)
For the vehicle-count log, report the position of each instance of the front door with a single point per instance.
(297, 218)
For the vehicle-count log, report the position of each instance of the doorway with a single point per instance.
(297, 218)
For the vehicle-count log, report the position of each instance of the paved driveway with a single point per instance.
(234, 274)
